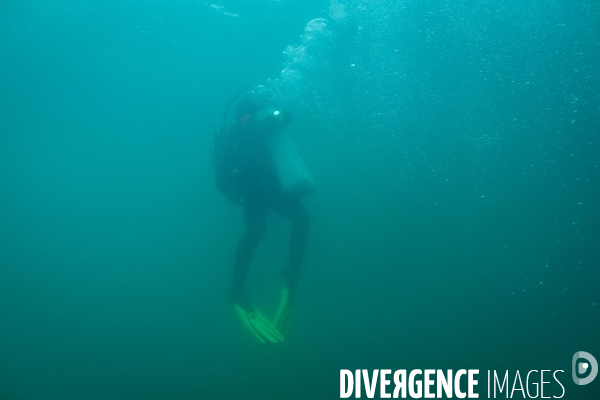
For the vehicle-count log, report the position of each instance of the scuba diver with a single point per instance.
(258, 167)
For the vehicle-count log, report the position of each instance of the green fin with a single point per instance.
(284, 309)
(263, 329)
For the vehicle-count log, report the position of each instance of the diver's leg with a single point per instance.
(255, 217)
(297, 214)
(293, 210)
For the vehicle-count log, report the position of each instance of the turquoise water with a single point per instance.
(456, 221)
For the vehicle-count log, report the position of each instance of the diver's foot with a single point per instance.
(238, 297)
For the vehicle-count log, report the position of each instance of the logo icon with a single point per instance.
(581, 368)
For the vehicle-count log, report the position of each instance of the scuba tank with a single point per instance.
(294, 177)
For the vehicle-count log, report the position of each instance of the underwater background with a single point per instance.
(456, 221)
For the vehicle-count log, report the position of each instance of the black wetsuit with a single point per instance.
(259, 192)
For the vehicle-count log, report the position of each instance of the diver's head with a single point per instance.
(245, 108)
(257, 99)
(260, 105)
(262, 97)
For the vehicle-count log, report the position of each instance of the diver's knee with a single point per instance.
(253, 236)
(303, 220)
